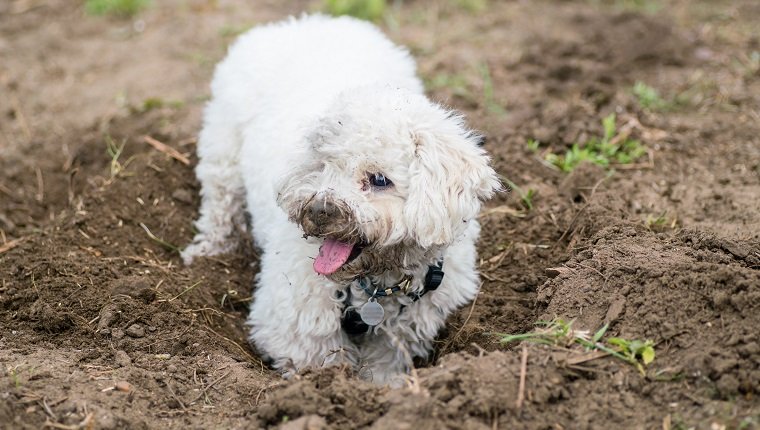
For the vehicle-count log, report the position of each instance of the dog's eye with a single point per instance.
(379, 180)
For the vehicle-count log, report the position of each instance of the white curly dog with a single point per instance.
(362, 194)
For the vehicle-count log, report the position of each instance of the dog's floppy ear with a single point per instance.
(449, 176)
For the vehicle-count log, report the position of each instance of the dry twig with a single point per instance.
(523, 372)
(166, 149)
(246, 353)
(87, 423)
(40, 195)
(502, 210)
(207, 387)
(12, 244)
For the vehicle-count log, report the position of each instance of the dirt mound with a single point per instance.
(102, 327)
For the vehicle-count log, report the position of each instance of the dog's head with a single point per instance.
(389, 179)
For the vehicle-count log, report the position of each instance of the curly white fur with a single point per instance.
(304, 110)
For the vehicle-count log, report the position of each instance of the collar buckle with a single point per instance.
(406, 284)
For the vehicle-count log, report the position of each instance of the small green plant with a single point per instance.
(665, 376)
(660, 222)
(456, 83)
(609, 150)
(748, 64)
(649, 98)
(533, 144)
(231, 30)
(488, 95)
(747, 423)
(166, 245)
(156, 103)
(679, 423)
(526, 197)
(15, 376)
(199, 58)
(471, 6)
(636, 352)
(120, 8)
(561, 333)
(114, 151)
(370, 10)
(645, 6)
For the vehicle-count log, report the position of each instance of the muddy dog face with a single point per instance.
(390, 179)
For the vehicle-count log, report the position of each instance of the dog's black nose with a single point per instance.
(323, 211)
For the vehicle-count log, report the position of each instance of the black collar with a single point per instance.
(352, 323)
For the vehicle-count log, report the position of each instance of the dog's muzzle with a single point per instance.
(322, 212)
(324, 216)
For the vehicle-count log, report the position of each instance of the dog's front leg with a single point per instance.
(295, 318)
(222, 190)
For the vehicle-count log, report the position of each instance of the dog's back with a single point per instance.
(276, 81)
(299, 66)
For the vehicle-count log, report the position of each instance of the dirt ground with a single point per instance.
(102, 327)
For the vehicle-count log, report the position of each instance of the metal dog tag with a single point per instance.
(372, 313)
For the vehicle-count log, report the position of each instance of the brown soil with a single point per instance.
(102, 327)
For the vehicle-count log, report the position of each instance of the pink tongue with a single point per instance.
(332, 255)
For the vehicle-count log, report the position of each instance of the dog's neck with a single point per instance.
(405, 284)
(356, 321)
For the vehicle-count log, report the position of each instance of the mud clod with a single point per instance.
(135, 330)
(109, 315)
(183, 195)
(122, 359)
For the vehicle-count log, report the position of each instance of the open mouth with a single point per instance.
(334, 254)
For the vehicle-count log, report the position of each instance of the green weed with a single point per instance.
(645, 6)
(664, 376)
(15, 373)
(747, 423)
(635, 352)
(199, 58)
(526, 197)
(456, 83)
(120, 8)
(471, 6)
(152, 103)
(114, 151)
(749, 64)
(15, 376)
(488, 95)
(459, 85)
(533, 144)
(649, 98)
(234, 30)
(660, 222)
(157, 103)
(166, 245)
(678, 423)
(370, 10)
(606, 151)
(560, 333)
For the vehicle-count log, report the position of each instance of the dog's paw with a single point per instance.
(287, 369)
(379, 376)
(203, 248)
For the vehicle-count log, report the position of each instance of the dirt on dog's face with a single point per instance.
(358, 230)
(386, 186)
